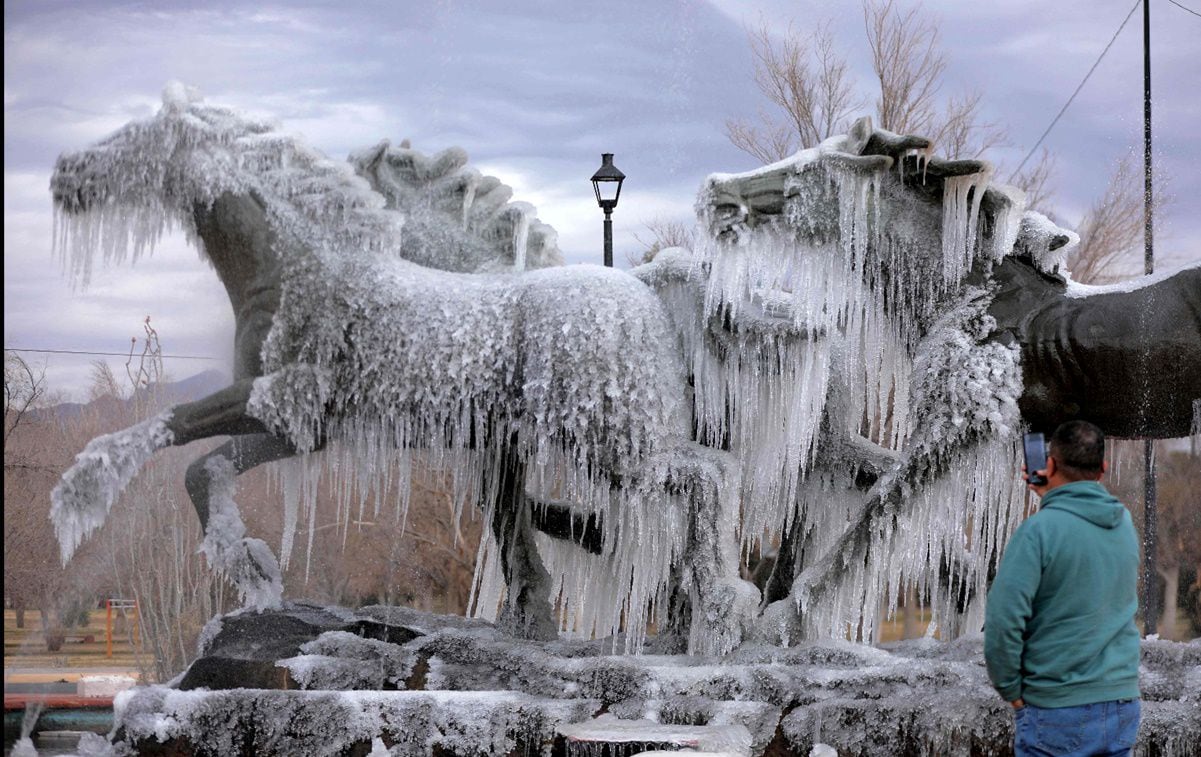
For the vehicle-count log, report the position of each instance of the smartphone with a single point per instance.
(1036, 457)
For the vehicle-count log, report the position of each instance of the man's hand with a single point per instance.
(1039, 489)
(1018, 704)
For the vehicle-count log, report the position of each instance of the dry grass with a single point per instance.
(26, 647)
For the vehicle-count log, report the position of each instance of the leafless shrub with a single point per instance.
(1111, 234)
(660, 234)
(1036, 182)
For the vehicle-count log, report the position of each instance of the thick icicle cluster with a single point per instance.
(399, 360)
(820, 346)
(680, 550)
(941, 516)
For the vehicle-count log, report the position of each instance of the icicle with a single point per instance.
(473, 181)
(1007, 221)
(961, 208)
(521, 234)
(1195, 436)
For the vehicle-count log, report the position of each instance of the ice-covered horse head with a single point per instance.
(832, 284)
(248, 195)
(563, 379)
(456, 218)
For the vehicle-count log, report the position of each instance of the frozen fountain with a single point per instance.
(842, 366)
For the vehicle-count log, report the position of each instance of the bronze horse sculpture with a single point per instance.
(277, 251)
(342, 338)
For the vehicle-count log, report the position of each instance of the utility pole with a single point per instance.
(1150, 516)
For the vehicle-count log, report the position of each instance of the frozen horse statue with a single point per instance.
(890, 321)
(845, 361)
(514, 377)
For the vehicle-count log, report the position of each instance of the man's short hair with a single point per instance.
(1079, 450)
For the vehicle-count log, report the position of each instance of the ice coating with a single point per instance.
(1044, 242)
(797, 374)
(82, 499)
(1076, 289)
(919, 696)
(456, 218)
(321, 723)
(339, 660)
(585, 739)
(247, 562)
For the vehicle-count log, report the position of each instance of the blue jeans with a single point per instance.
(1104, 729)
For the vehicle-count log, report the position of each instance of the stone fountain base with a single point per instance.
(395, 681)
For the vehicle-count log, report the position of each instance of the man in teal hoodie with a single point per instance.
(1059, 636)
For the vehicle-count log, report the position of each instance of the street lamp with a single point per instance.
(607, 184)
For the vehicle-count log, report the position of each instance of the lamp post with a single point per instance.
(606, 182)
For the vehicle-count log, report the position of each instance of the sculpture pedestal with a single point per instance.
(383, 680)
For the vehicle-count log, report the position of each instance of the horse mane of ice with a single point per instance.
(122, 195)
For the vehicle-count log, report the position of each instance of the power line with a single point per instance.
(1185, 8)
(113, 354)
(1073, 97)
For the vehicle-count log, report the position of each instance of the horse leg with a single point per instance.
(247, 562)
(527, 611)
(222, 413)
(82, 499)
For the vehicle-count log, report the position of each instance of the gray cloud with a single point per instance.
(534, 91)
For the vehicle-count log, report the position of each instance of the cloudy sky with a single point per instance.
(534, 91)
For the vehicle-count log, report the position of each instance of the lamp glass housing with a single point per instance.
(606, 182)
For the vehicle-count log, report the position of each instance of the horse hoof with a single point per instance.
(253, 570)
(262, 584)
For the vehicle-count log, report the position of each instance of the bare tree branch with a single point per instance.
(662, 233)
(809, 83)
(907, 63)
(1111, 234)
(1036, 182)
(24, 389)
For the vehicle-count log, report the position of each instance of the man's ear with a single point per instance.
(1104, 469)
(1051, 466)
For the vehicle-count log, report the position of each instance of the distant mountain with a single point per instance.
(191, 388)
(172, 392)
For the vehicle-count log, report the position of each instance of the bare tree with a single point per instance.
(808, 81)
(1036, 182)
(1111, 234)
(804, 77)
(660, 234)
(24, 390)
(30, 574)
(908, 64)
(1178, 480)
